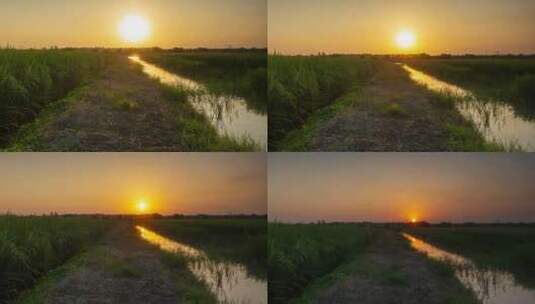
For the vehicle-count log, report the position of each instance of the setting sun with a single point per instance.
(134, 28)
(413, 220)
(142, 206)
(405, 39)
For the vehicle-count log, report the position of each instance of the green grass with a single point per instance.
(230, 73)
(237, 240)
(38, 293)
(393, 109)
(462, 134)
(196, 132)
(467, 139)
(299, 139)
(298, 254)
(31, 246)
(190, 287)
(504, 247)
(28, 136)
(121, 102)
(511, 80)
(299, 86)
(32, 79)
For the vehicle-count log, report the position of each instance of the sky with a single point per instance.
(189, 183)
(172, 23)
(393, 187)
(370, 26)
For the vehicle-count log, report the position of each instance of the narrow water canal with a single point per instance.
(490, 286)
(496, 120)
(230, 282)
(228, 114)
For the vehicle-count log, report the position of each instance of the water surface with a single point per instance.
(490, 286)
(496, 120)
(228, 114)
(230, 282)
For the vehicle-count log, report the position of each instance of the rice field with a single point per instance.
(32, 79)
(298, 86)
(301, 253)
(30, 246)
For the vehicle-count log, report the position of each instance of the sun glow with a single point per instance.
(142, 206)
(405, 39)
(134, 28)
(413, 220)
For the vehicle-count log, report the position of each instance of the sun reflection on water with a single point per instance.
(491, 286)
(230, 282)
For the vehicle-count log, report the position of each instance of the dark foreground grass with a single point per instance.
(298, 86)
(504, 247)
(237, 240)
(31, 246)
(241, 73)
(301, 253)
(31, 79)
(511, 80)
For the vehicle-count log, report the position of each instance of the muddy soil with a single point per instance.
(415, 282)
(124, 270)
(392, 113)
(123, 110)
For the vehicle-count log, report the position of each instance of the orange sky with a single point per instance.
(84, 23)
(369, 26)
(37, 183)
(387, 187)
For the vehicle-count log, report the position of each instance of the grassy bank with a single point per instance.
(237, 240)
(235, 73)
(301, 253)
(195, 130)
(511, 80)
(463, 135)
(504, 247)
(31, 246)
(31, 79)
(298, 86)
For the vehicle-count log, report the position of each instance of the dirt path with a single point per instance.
(124, 110)
(391, 114)
(124, 269)
(392, 273)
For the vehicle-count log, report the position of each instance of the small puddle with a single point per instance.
(228, 114)
(496, 120)
(228, 281)
(490, 286)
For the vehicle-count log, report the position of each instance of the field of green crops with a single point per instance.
(237, 240)
(32, 79)
(30, 246)
(298, 86)
(300, 253)
(236, 73)
(510, 80)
